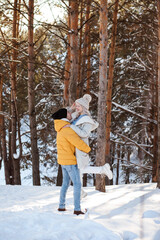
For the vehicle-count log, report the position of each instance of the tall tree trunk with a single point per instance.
(155, 130)
(9, 161)
(1, 108)
(85, 180)
(3, 137)
(113, 146)
(80, 48)
(88, 49)
(110, 82)
(83, 76)
(118, 159)
(67, 65)
(16, 163)
(154, 127)
(158, 178)
(101, 136)
(128, 170)
(11, 169)
(74, 52)
(31, 96)
(66, 77)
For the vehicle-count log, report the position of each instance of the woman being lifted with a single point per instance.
(82, 123)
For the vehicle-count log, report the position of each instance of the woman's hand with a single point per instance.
(68, 125)
(73, 107)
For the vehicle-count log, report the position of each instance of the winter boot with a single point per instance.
(78, 212)
(61, 209)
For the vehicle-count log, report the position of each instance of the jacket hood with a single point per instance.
(87, 119)
(59, 124)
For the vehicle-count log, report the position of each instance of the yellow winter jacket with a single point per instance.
(67, 140)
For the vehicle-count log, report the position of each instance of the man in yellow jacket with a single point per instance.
(67, 141)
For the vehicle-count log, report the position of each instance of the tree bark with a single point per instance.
(154, 128)
(67, 65)
(8, 162)
(155, 131)
(16, 162)
(128, 170)
(110, 82)
(80, 49)
(83, 75)
(1, 108)
(158, 177)
(74, 52)
(31, 96)
(88, 48)
(85, 180)
(3, 136)
(101, 136)
(117, 169)
(11, 169)
(112, 159)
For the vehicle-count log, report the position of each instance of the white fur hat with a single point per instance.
(84, 101)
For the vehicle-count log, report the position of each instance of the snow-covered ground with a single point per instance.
(124, 212)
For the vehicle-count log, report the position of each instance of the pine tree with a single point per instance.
(67, 63)
(3, 135)
(110, 82)
(31, 96)
(74, 51)
(158, 165)
(14, 111)
(101, 137)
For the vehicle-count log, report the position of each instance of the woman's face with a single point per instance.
(79, 108)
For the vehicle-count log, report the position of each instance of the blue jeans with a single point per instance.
(71, 173)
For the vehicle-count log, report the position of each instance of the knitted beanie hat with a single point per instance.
(84, 101)
(61, 113)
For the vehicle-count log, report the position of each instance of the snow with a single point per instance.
(125, 212)
(16, 155)
(2, 176)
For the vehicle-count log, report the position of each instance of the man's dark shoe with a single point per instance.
(61, 209)
(78, 212)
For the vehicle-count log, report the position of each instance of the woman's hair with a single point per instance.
(85, 111)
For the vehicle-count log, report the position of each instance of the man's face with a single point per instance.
(69, 117)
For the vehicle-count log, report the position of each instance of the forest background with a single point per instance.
(109, 49)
